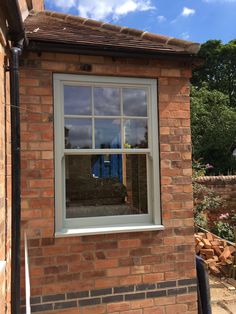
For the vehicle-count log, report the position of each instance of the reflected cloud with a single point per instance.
(106, 101)
(77, 100)
(135, 102)
(107, 133)
(78, 133)
(136, 135)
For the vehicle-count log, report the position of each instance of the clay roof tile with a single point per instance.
(79, 30)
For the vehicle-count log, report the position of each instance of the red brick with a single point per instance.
(121, 306)
(129, 243)
(98, 309)
(176, 308)
(141, 304)
(154, 310)
(133, 312)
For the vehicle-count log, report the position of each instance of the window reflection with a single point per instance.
(78, 133)
(77, 100)
(106, 185)
(106, 101)
(135, 102)
(136, 133)
(107, 133)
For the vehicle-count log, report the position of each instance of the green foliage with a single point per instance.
(213, 124)
(200, 220)
(224, 230)
(210, 201)
(199, 170)
(205, 199)
(219, 68)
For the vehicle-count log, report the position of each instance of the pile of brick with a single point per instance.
(217, 253)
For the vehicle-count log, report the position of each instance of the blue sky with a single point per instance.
(194, 20)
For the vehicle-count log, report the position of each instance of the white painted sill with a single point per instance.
(106, 230)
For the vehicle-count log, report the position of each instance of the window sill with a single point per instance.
(106, 230)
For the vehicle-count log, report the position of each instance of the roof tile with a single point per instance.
(63, 28)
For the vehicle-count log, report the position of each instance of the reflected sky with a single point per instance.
(107, 133)
(78, 133)
(77, 100)
(136, 133)
(135, 102)
(106, 101)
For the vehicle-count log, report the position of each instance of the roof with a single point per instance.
(54, 27)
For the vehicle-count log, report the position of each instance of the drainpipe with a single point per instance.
(16, 190)
(16, 34)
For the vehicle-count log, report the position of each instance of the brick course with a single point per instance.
(123, 297)
(80, 264)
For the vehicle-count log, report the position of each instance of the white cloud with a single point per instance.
(65, 4)
(104, 9)
(185, 35)
(111, 9)
(187, 12)
(161, 18)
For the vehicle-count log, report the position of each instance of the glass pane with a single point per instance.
(77, 100)
(105, 185)
(78, 133)
(106, 101)
(107, 133)
(136, 133)
(135, 102)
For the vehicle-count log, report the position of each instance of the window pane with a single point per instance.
(107, 133)
(106, 101)
(105, 185)
(78, 133)
(135, 102)
(77, 100)
(136, 133)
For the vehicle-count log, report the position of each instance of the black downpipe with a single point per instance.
(16, 189)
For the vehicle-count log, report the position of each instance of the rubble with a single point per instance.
(217, 253)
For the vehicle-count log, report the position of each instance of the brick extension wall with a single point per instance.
(85, 264)
(5, 179)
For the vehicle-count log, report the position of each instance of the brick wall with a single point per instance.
(145, 272)
(38, 5)
(5, 179)
(224, 186)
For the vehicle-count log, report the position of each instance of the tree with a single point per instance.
(219, 68)
(213, 124)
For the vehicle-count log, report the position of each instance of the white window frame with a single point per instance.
(106, 224)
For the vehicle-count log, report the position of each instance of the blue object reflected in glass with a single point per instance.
(107, 166)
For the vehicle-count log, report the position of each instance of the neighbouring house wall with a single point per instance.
(224, 186)
(154, 270)
(5, 178)
(25, 5)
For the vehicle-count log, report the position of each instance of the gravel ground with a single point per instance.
(223, 299)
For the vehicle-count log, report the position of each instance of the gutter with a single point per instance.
(40, 46)
(16, 34)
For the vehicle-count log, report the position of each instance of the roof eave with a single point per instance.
(49, 46)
